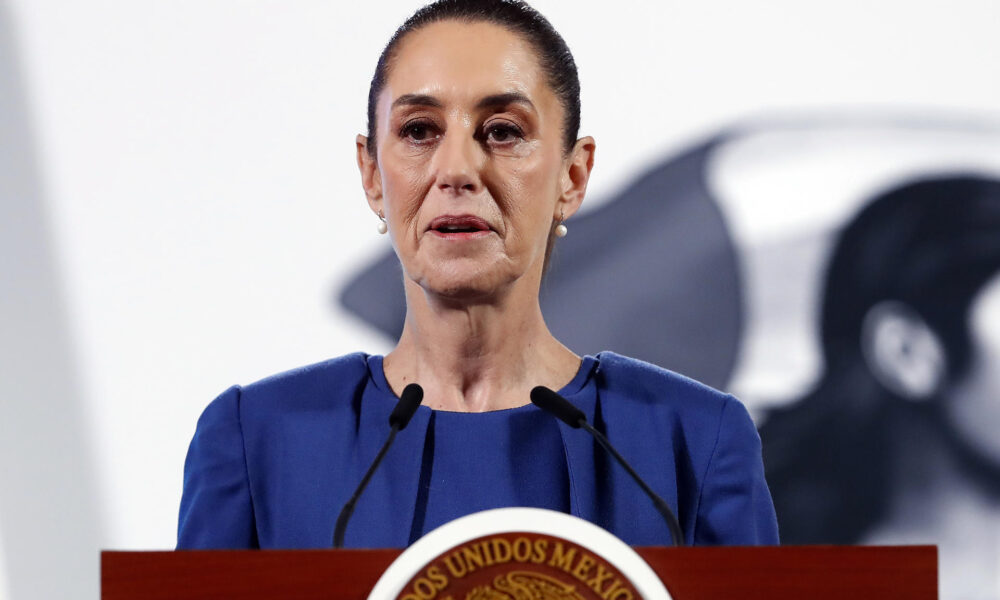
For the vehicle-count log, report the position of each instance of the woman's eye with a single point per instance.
(418, 132)
(503, 134)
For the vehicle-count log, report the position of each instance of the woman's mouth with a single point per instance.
(459, 227)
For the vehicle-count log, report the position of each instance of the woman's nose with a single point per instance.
(458, 162)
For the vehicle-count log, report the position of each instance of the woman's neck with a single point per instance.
(932, 490)
(477, 356)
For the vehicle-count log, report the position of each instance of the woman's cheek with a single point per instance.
(526, 149)
(404, 190)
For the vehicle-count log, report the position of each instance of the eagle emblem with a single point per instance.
(525, 585)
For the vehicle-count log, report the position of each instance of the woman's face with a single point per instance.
(974, 406)
(471, 169)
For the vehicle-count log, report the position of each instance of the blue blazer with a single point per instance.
(272, 463)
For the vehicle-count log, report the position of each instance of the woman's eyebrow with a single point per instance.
(416, 100)
(491, 101)
(504, 99)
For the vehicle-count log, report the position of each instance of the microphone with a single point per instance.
(409, 400)
(565, 411)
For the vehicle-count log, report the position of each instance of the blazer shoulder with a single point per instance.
(320, 384)
(643, 383)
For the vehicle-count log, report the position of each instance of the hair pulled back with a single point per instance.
(931, 244)
(553, 54)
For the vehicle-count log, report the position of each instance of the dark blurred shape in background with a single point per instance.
(888, 434)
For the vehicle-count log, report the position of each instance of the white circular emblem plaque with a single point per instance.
(515, 554)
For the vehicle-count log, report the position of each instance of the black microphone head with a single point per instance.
(409, 400)
(557, 406)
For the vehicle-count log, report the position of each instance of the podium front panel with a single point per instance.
(815, 572)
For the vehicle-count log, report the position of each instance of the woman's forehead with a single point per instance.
(461, 62)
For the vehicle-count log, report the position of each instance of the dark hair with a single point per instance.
(931, 244)
(553, 53)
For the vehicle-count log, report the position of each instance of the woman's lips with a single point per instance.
(459, 227)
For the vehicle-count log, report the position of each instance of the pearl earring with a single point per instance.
(561, 229)
(383, 227)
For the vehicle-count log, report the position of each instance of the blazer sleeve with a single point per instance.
(735, 506)
(216, 507)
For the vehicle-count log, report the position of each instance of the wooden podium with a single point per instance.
(813, 572)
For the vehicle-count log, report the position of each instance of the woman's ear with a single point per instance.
(576, 174)
(371, 178)
(903, 353)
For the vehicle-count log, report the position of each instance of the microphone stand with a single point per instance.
(409, 400)
(561, 408)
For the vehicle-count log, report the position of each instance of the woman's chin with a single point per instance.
(462, 291)
(466, 285)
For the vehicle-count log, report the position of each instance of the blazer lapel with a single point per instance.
(579, 446)
(383, 517)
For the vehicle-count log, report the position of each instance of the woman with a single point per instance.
(472, 165)
(898, 443)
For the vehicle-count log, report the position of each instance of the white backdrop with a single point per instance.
(196, 191)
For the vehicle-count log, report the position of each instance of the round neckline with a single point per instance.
(588, 364)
